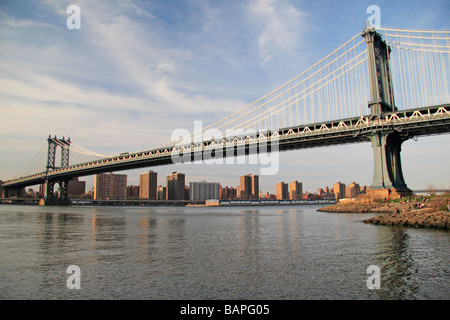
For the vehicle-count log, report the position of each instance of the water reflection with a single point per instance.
(59, 229)
(147, 238)
(248, 226)
(397, 266)
(60, 232)
(287, 226)
(176, 236)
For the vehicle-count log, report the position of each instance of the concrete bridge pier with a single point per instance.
(388, 181)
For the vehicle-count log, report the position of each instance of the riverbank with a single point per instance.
(418, 212)
(416, 219)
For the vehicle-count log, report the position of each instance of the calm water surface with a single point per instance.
(289, 252)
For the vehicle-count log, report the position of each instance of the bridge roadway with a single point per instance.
(409, 123)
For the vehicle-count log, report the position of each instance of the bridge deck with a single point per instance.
(410, 123)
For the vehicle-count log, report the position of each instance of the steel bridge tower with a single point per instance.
(49, 185)
(388, 178)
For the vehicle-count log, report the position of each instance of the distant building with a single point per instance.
(175, 186)
(202, 191)
(186, 193)
(147, 185)
(245, 187)
(228, 193)
(161, 193)
(30, 193)
(296, 190)
(133, 191)
(353, 190)
(339, 190)
(255, 187)
(249, 187)
(282, 191)
(325, 194)
(76, 188)
(110, 186)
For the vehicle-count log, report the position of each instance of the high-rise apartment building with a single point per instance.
(186, 193)
(76, 188)
(147, 185)
(132, 192)
(245, 187)
(201, 191)
(255, 187)
(175, 187)
(352, 190)
(282, 191)
(161, 193)
(296, 190)
(228, 193)
(249, 187)
(109, 186)
(339, 190)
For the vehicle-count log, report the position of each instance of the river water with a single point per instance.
(280, 252)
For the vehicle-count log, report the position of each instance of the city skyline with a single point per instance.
(293, 188)
(194, 61)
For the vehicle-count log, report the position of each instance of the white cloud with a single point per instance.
(159, 68)
(281, 26)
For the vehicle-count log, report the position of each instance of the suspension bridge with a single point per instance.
(346, 97)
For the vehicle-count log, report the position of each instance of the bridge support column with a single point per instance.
(50, 197)
(388, 181)
(63, 192)
(49, 189)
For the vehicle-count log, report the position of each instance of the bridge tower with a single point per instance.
(388, 178)
(49, 196)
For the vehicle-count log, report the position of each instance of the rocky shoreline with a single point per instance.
(416, 219)
(358, 208)
(427, 214)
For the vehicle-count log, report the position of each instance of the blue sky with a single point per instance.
(138, 70)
